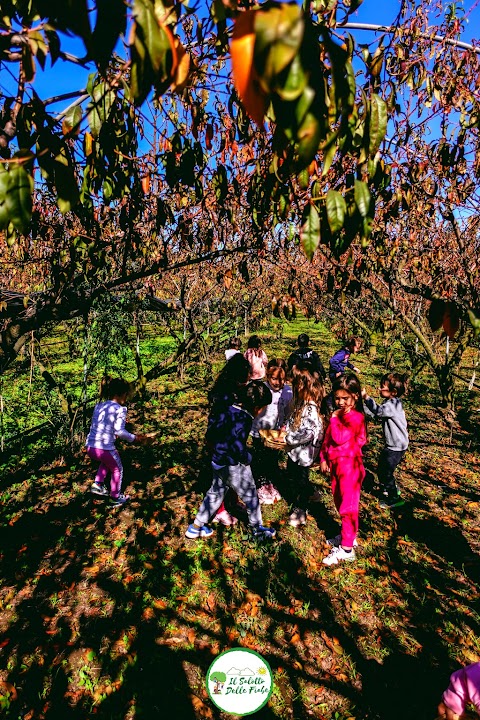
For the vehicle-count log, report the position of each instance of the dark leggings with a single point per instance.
(387, 464)
(299, 482)
(264, 462)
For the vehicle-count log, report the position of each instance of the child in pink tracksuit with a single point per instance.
(341, 456)
(464, 688)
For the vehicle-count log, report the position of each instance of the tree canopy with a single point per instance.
(229, 135)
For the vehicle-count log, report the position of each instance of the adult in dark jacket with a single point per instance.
(306, 356)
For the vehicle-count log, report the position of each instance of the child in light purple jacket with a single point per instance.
(108, 424)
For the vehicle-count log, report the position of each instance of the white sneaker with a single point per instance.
(337, 541)
(225, 518)
(274, 493)
(297, 517)
(337, 554)
(265, 497)
(98, 489)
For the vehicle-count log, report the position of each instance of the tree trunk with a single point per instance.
(446, 383)
(140, 383)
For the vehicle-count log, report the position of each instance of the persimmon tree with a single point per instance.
(206, 140)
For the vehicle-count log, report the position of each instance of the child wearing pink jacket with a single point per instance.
(341, 456)
(464, 688)
(256, 357)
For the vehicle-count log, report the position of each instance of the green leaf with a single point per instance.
(151, 51)
(99, 109)
(19, 196)
(378, 117)
(53, 43)
(218, 11)
(164, 214)
(107, 190)
(367, 228)
(310, 230)
(70, 16)
(362, 197)
(71, 120)
(279, 33)
(329, 149)
(220, 183)
(336, 209)
(4, 179)
(28, 63)
(292, 82)
(303, 178)
(475, 321)
(308, 138)
(38, 46)
(65, 181)
(111, 22)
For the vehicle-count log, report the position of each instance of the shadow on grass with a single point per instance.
(112, 614)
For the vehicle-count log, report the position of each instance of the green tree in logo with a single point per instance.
(219, 678)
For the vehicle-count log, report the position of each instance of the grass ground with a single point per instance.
(112, 613)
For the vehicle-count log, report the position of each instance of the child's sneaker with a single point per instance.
(265, 496)
(263, 533)
(297, 517)
(225, 518)
(391, 501)
(193, 532)
(338, 554)
(119, 500)
(316, 497)
(337, 541)
(274, 493)
(98, 489)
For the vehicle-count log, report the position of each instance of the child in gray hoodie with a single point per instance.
(394, 422)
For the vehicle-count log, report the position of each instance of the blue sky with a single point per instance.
(66, 77)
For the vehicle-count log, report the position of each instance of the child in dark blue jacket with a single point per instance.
(341, 360)
(228, 430)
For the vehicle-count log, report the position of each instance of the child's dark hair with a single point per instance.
(303, 340)
(114, 387)
(255, 395)
(104, 385)
(354, 340)
(351, 384)
(396, 383)
(254, 342)
(277, 363)
(301, 365)
(237, 370)
(234, 343)
(234, 373)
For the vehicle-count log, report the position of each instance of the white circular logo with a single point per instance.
(239, 681)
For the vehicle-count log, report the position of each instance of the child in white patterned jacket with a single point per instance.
(304, 437)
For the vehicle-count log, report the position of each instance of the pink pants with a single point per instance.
(347, 475)
(109, 462)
